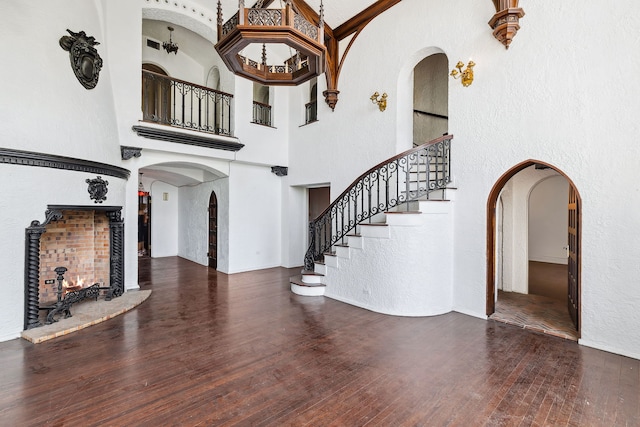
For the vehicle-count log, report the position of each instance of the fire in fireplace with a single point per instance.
(69, 294)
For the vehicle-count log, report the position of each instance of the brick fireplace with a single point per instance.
(86, 240)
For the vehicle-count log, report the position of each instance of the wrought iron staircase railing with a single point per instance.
(185, 105)
(406, 177)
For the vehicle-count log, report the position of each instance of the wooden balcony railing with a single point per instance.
(185, 105)
(261, 113)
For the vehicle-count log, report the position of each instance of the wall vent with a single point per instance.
(153, 44)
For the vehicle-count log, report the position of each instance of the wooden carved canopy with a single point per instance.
(318, 53)
(506, 22)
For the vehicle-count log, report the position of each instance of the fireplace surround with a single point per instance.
(33, 238)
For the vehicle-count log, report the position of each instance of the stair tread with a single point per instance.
(375, 224)
(311, 273)
(403, 212)
(298, 281)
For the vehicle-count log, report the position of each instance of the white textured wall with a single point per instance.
(55, 114)
(164, 219)
(294, 225)
(407, 274)
(194, 222)
(263, 144)
(548, 220)
(255, 213)
(519, 107)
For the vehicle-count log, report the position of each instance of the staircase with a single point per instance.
(385, 243)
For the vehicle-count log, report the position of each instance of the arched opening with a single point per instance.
(521, 203)
(261, 105)
(430, 98)
(156, 94)
(213, 78)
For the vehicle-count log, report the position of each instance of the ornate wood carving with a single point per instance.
(29, 158)
(85, 60)
(333, 36)
(506, 22)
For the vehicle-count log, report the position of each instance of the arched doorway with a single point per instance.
(156, 94)
(212, 253)
(430, 98)
(496, 246)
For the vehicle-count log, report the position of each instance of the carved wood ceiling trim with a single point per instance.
(506, 22)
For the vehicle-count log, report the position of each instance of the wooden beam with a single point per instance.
(359, 21)
(312, 16)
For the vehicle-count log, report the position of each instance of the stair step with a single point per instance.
(375, 230)
(355, 241)
(404, 218)
(330, 259)
(299, 287)
(343, 251)
(311, 277)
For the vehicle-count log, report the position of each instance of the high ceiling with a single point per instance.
(336, 13)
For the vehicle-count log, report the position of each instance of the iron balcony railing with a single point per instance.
(310, 112)
(261, 113)
(185, 105)
(408, 176)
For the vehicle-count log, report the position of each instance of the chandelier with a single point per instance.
(272, 46)
(170, 46)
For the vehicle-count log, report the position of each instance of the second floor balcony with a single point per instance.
(185, 105)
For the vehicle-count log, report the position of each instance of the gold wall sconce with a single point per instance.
(380, 100)
(466, 74)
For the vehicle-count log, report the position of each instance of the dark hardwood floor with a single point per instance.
(549, 280)
(208, 349)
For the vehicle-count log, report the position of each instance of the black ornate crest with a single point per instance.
(85, 60)
(97, 189)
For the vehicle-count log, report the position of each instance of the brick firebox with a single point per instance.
(78, 241)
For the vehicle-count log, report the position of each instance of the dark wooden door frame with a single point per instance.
(491, 231)
(212, 249)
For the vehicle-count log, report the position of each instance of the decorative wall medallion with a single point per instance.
(97, 189)
(85, 60)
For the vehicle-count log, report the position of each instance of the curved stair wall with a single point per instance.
(402, 266)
